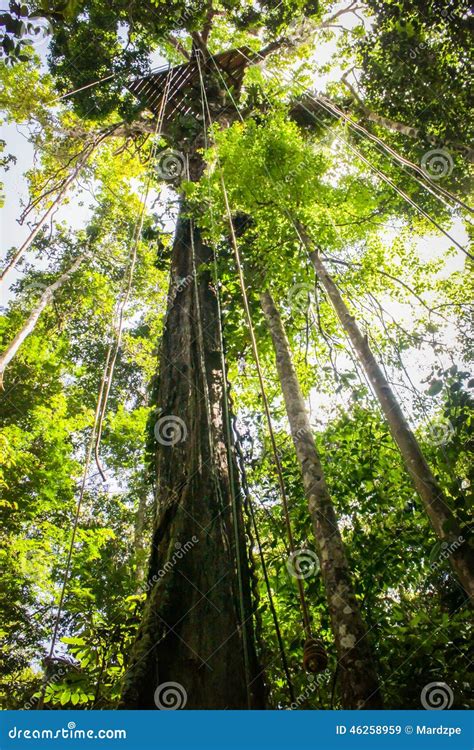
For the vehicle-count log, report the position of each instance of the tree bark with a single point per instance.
(29, 326)
(192, 632)
(359, 686)
(443, 520)
(139, 535)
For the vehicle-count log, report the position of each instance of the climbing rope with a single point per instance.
(366, 161)
(235, 522)
(314, 655)
(94, 440)
(232, 485)
(281, 481)
(73, 537)
(114, 347)
(441, 195)
(304, 609)
(241, 464)
(263, 563)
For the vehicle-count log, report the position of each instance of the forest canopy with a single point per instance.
(236, 404)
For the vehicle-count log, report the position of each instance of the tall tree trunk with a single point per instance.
(192, 632)
(443, 520)
(29, 326)
(359, 686)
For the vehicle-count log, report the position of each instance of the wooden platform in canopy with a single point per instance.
(185, 86)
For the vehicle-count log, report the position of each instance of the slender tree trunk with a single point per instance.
(29, 326)
(359, 686)
(49, 212)
(443, 520)
(192, 632)
(139, 536)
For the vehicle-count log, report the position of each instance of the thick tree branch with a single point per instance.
(400, 127)
(199, 44)
(352, 8)
(206, 29)
(178, 46)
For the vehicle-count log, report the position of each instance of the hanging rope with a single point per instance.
(305, 613)
(281, 481)
(73, 537)
(217, 287)
(397, 157)
(230, 461)
(94, 441)
(241, 462)
(366, 161)
(263, 563)
(315, 658)
(114, 347)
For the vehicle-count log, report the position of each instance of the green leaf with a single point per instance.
(435, 387)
